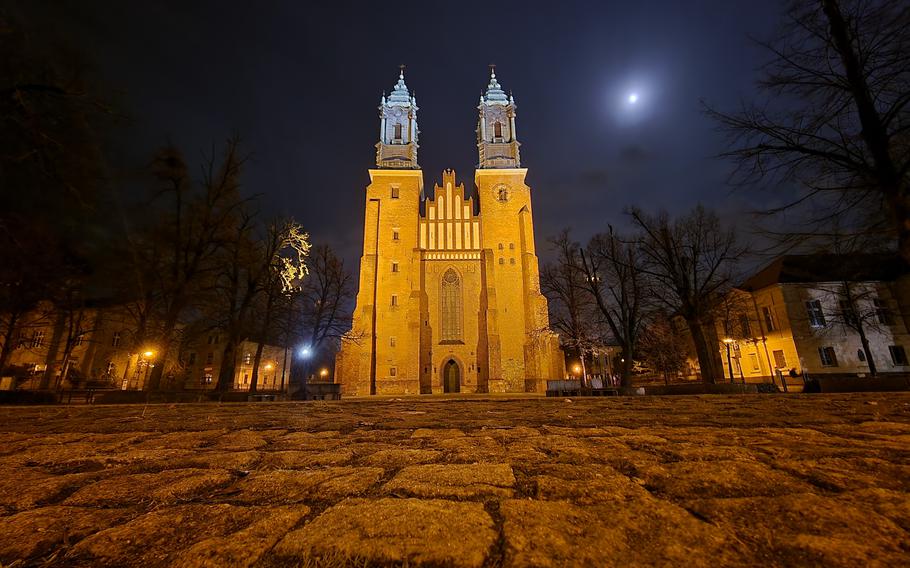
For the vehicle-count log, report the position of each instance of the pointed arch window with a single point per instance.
(451, 307)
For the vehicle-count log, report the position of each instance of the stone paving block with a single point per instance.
(295, 486)
(851, 473)
(156, 538)
(306, 441)
(810, 530)
(586, 485)
(246, 546)
(179, 440)
(437, 433)
(240, 440)
(893, 505)
(393, 531)
(471, 449)
(163, 487)
(643, 532)
(291, 459)
(40, 532)
(397, 458)
(25, 489)
(682, 480)
(453, 480)
(214, 459)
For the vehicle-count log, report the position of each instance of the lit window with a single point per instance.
(451, 306)
(109, 370)
(814, 311)
(898, 355)
(115, 341)
(502, 261)
(247, 358)
(827, 356)
(754, 359)
(780, 362)
(37, 339)
(391, 342)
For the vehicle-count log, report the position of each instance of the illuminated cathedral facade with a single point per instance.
(449, 297)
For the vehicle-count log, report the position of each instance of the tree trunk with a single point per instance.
(868, 351)
(254, 380)
(625, 368)
(706, 350)
(228, 366)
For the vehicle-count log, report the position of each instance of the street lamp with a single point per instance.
(148, 354)
(324, 373)
(729, 341)
(305, 352)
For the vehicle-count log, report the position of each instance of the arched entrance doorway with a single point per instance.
(451, 377)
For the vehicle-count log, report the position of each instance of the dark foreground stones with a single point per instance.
(684, 481)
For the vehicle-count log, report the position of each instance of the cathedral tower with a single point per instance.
(449, 299)
(397, 146)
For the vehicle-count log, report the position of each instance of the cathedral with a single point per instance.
(449, 298)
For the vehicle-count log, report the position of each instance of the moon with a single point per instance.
(633, 98)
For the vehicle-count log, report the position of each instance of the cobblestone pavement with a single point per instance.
(695, 481)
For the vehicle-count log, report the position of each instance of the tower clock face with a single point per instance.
(501, 192)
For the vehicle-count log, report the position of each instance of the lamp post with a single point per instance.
(148, 354)
(729, 341)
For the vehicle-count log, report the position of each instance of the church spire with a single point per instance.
(497, 144)
(397, 146)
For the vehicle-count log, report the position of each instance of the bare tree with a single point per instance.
(571, 306)
(285, 251)
(843, 134)
(662, 347)
(689, 261)
(613, 276)
(325, 302)
(192, 227)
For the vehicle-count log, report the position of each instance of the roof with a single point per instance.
(805, 268)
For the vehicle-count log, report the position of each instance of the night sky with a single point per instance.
(300, 82)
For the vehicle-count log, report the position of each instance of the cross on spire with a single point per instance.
(401, 71)
(492, 69)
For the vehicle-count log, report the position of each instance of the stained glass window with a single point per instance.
(451, 306)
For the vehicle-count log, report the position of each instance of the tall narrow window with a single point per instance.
(451, 306)
(828, 356)
(38, 339)
(883, 312)
(497, 130)
(815, 313)
(898, 355)
(769, 318)
(115, 340)
(398, 133)
(780, 362)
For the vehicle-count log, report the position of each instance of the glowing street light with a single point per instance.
(306, 352)
(633, 98)
(729, 341)
(324, 373)
(268, 366)
(149, 354)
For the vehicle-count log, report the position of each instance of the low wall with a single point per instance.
(881, 383)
